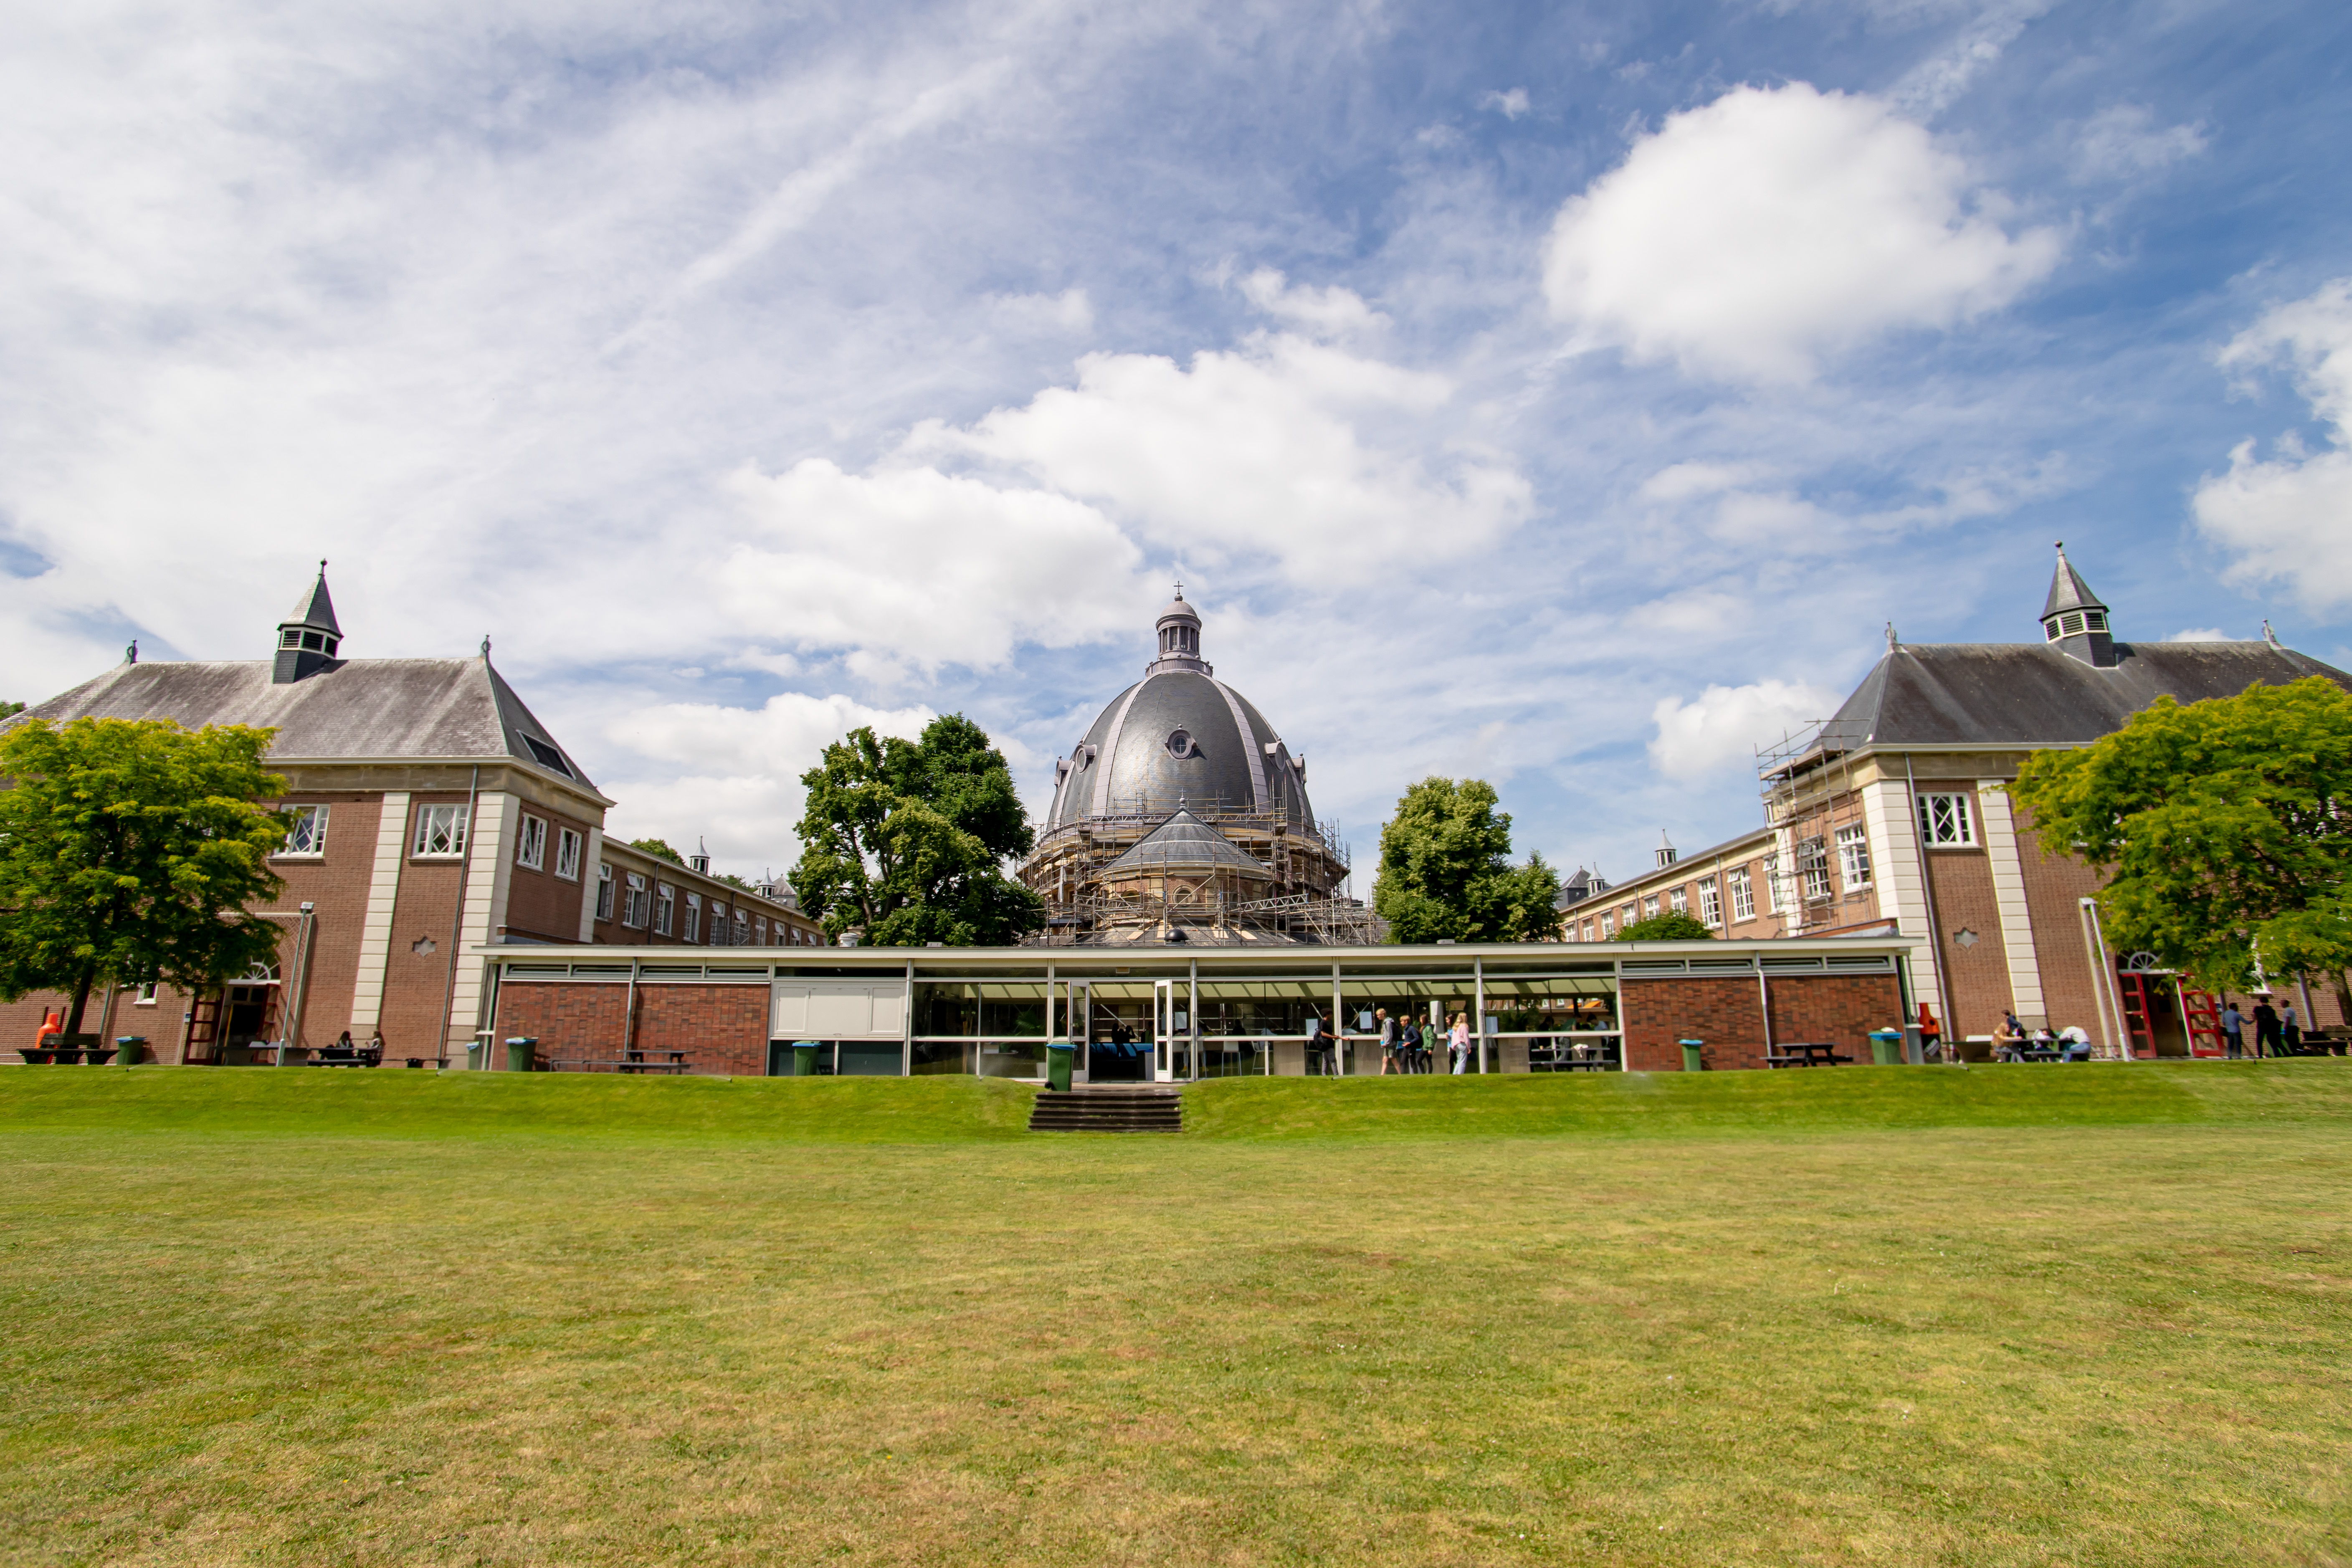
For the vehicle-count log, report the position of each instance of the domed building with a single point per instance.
(1182, 817)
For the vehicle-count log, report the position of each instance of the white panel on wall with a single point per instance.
(788, 1012)
(839, 1014)
(888, 1005)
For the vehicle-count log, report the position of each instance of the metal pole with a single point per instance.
(1338, 1047)
(1478, 978)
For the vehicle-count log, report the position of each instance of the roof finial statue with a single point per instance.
(1893, 642)
(1180, 587)
(2269, 636)
(485, 645)
(131, 654)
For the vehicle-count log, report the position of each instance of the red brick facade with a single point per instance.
(1729, 1015)
(721, 1028)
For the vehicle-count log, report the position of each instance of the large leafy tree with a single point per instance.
(1674, 925)
(2225, 827)
(906, 840)
(130, 851)
(1447, 871)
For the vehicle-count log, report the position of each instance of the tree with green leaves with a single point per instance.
(130, 850)
(2225, 827)
(1674, 925)
(905, 841)
(10, 709)
(1446, 872)
(660, 850)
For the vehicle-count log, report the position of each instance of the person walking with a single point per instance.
(2233, 1030)
(1319, 1049)
(1457, 1042)
(1388, 1028)
(2290, 1030)
(1409, 1044)
(2266, 1029)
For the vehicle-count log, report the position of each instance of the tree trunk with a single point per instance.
(80, 1002)
(2338, 983)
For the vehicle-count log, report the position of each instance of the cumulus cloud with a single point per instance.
(2201, 634)
(1332, 312)
(740, 785)
(1724, 725)
(2289, 517)
(1320, 459)
(1509, 105)
(913, 565)
(1749, 238)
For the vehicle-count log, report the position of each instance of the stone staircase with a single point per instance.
(1110, 1108)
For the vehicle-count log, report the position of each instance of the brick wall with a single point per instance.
(539, 903)
(1729, 1015)
(416, 973)
(570, 1020)
(1975, 978)
(336, 886)
(2054, 889)
(1842, 1009)
(721, 1028)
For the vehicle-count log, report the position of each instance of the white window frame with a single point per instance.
(1678, 901)
(568, 846)
(306, 837)
(1607, 930)
(441, 826)
(664, 908)
(692, 929)
(1772, 882)
(1813, 869)
(760, 931)
(1743, 895)
(1710, 904)
(146, 998)
(604, 889)
(718, 923)
(636, 903)
(531, 843)
(1946, 820)
(742, 936)
(1650, 908)
(1853, 857)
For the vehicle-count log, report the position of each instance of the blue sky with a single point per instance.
(1558, 394)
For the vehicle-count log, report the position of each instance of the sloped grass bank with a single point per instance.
(2314, 1091)
(571, 1106)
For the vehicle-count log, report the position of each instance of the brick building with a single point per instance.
(1894, 815)
(432, 815)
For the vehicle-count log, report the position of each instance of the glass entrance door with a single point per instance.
(1172, 1026)
(1122, 1031)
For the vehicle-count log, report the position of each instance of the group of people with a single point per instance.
(2278, 1032)
(1405, 1047)
(2012, 1040)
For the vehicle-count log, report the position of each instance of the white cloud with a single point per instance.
(731, 775)
(1748, 237)
(2124, 143)
(1067, 312)
(1333, 313)
(1321, 460)
(1725, 724)
(2290, 518)
(1509, 105)
(911, 566)
(2201, 634)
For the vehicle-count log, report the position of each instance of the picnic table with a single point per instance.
(629, 1061)
(357, 1057)
(1808, 1054)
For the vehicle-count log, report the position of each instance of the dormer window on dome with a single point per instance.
(1180, 744)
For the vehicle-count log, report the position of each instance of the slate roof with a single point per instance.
(422, 709)
(1184, 844)
(2007, 695)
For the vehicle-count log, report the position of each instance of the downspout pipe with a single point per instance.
(1949, 1022)
(458, 920)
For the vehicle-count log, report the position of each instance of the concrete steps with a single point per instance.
(1139, 1108)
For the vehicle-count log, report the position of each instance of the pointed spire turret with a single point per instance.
(2074, 620)
(308, 639)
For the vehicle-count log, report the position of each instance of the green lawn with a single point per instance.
(2028, 1315)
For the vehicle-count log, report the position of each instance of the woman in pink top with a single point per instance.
(1457, 1042)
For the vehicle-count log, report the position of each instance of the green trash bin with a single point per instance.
(1691, 1058)
(131, 1049)
(1059, 1054)
(1886, 1048)
(518, 1053)
(803, 1059)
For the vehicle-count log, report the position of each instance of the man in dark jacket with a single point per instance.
(2267, 1038)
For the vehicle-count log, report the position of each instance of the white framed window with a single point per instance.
(1853, 857)
(530, 844)
(440, 831)
(1743, 895)
(307, 833)
(1678, 901)
(1606, 929)
(603, 890)
(637, 906)
(1773, 881)
(760, 932)
(664, 908)
(1946, 821)
(692, 929)
(1627, 916)
(1650, 908)
(742, 937)
(1813, 867)
(1588, 931)
(146, 998)
(567, 853)
(718, 923)
(1710, 902)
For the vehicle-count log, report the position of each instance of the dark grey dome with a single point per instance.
(1179, 737)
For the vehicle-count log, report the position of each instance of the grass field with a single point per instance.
(2092, 1315)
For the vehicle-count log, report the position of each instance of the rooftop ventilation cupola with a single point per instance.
(2074, 621)
(308, 639)
(1180, 640)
